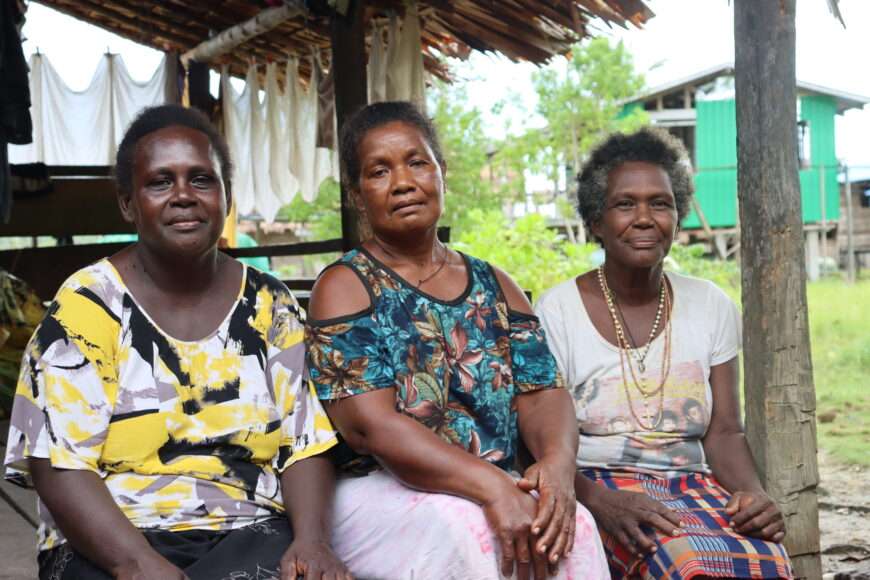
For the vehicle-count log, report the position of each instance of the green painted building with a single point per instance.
(700, 110)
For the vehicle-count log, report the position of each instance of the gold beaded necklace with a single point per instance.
(624, 346)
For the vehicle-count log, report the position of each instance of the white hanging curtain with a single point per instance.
(396, 72)
(237, 129)
(278, 120)
(84, 127)
(377, 68)
(273, 141)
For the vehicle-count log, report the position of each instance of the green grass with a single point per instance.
(840, 341)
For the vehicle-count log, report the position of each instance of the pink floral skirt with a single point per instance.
(385, 530)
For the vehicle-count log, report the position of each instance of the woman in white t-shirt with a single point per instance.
(651, 360)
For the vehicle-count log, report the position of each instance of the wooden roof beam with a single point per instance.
(139, 31)
(243, 32)
(196, 30)
(511, 28)
(210, 17)
(463, 26)
(261, 47)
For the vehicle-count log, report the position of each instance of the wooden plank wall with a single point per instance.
(78, 205)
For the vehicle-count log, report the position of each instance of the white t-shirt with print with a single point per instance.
(705, 333)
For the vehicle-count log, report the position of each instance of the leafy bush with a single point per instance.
(690, 260)
(536, 256)
(322, 215)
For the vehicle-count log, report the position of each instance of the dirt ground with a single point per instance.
(844, 519)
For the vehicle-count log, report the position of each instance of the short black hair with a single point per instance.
(374, 116)
(650, 145)
(153, 119)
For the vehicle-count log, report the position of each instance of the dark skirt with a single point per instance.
(707, 546)
(251, 552)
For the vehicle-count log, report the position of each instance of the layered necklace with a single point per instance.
(629, 355)
(420, 281)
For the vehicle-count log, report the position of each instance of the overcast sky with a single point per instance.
(685, 37)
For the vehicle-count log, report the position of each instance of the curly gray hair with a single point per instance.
(649, 144)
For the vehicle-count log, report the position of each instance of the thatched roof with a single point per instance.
(529, 30)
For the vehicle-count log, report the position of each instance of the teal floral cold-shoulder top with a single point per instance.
(456, 365)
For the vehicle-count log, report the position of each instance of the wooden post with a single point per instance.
(171, 90)
(780, 398)
(823, 200)
(197, 87)
(720, 242)
(199, 97)
(812, 254)
(850, 233)
(351, 94)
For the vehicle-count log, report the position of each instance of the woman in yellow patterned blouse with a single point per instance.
(163, 411)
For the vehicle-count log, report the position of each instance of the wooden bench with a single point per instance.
(18, 521)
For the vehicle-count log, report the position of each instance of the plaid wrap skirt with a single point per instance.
(708, 547)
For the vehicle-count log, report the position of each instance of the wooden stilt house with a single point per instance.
(701, 110)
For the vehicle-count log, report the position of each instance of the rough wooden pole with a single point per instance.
(173, 89)
(351, 90)
(780, 397)
(199, 97)
(198, 93)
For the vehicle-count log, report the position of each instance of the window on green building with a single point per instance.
(803, 135)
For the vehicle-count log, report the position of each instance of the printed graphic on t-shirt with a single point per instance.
(619, 430)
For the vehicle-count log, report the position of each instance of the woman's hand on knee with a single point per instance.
(754, 513)
(555, 521)
(510, 513)
(312, 560)
(625, 514)
(148, 566)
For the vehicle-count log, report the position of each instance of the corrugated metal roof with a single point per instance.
(845, 100)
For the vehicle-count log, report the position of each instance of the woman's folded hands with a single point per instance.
(314, 560)
(555, 520)
(534, 533)
(511, 513)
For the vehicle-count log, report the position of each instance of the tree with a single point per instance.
(582, 99)
(780, 395)
(470, 178)
(321, 216)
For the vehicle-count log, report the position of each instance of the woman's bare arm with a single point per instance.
(752, 511)
(94, 525)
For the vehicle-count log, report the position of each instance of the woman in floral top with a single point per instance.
(433, 368)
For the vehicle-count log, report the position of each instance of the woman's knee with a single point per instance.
(64, 563)
(585, 523)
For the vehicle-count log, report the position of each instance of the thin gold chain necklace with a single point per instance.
(624, 349)
(420, 281)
